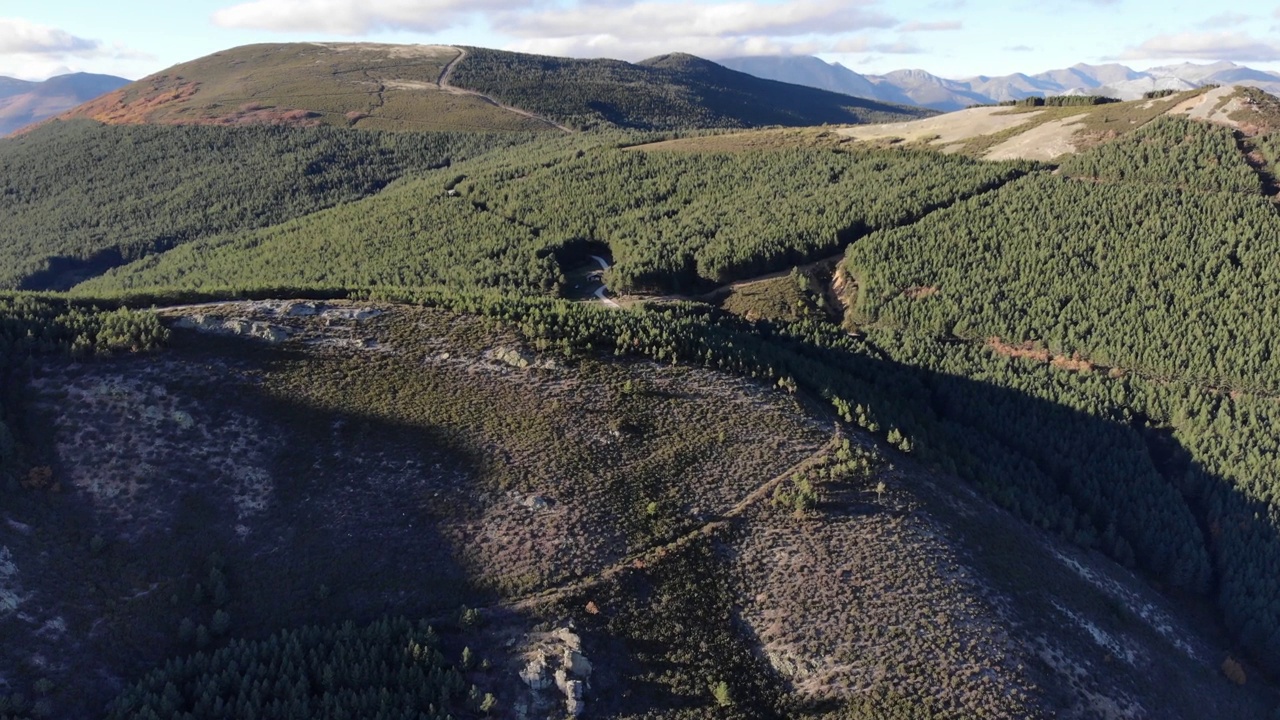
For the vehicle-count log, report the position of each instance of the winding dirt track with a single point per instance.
(444, 84)
(655, 554)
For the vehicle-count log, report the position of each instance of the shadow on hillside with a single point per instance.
(351, 530)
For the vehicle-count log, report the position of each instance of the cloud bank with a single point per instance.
(34, 51)
(1222, 45)
(20, 37)
(628, 29)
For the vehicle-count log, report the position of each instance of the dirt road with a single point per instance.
(444, 84)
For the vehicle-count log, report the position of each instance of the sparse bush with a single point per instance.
(1234, 671)
(720, 692)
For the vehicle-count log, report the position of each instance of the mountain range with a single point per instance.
(918, 87)
(23, 102)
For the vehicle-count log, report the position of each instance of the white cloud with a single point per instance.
(916, 26)
(864, 44)
(664, 19)
(352, 17)
(639, 48)
(21, 37)
(1226, 20)
(626, 29)
(35, 52)
(1235, 46)
(631, 30)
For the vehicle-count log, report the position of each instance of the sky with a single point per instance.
(950, 38)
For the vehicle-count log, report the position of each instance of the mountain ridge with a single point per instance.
(453, 88)
(926, 89)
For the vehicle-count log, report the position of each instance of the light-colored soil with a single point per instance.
(896, 593)
(945, 129)
(1043, 142)
(1214, 106)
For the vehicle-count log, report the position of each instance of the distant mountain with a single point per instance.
(13, 86)
(806, 70)
(23, 102)
(918, 87)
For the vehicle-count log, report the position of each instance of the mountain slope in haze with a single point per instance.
(14, 86)
(424, 87)
(805, 70)
(23, 103)
(919, 87)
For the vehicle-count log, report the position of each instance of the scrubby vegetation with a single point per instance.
(30, 325)
(669, 92)
(79, 197)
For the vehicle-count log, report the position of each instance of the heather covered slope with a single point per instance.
(705, 544)
(441, 88)
(362, 85)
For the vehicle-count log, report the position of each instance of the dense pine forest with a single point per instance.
(1088, 343)
(79, 197)
(671, 220)
(669, 92)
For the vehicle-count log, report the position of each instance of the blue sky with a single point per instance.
(951, 38)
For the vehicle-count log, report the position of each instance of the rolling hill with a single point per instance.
(1048, 133)
(24, 103)
(954, 416)
(431, 88)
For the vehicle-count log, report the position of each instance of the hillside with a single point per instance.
(519, 220)
(440, 88)
(662, 93)
(627, 524)
(360, 85)
(965, 416)
(1037, 132)
(24, 103)
(77, 198)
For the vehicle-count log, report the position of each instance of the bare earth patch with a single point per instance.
(1044, 142)
(945, 129)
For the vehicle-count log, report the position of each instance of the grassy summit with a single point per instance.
(432, 87)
